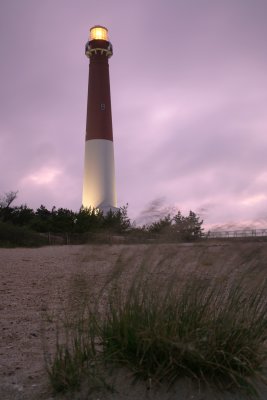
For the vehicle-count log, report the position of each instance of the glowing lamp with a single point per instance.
(98, 33)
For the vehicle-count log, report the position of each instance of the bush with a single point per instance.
(178, 227)
(11, 235)
(187, 228)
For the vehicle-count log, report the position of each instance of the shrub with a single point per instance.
(11, 235)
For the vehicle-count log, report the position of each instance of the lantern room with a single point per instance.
(99, 32)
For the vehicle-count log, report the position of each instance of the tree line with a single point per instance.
(63, 220)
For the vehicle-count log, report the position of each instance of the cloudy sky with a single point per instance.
(189, 104)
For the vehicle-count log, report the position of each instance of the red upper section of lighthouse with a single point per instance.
(99, 118)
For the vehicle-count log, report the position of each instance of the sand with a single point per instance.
(38, 283)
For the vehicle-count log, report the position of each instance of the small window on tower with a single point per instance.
(102, 106)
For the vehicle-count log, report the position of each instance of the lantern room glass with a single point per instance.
(99, 33)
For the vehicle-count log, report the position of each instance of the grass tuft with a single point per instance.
(71, 363)
(164, 333)
(75, 358)
(163, 329)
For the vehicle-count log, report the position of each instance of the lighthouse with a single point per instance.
(99, 170)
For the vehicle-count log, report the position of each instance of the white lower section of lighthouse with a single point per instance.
(99, 175)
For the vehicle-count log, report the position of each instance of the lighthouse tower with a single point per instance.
(99, 172)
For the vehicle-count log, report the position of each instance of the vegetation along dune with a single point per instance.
(164, 321)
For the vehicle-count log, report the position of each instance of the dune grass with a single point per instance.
(201, 333)
(165, 329)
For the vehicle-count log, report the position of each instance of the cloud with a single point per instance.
(188, 98)
(45, 176)
(252, 200)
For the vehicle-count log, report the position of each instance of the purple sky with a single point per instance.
(189, 103)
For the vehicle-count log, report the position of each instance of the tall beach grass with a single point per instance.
(163, 328)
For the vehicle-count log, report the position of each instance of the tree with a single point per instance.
(187, 228)
(88, 220)
(5, 202)
(117, 221)
(21, 215)
(7, 199)
(163, 225)
(194, 225)
(43, 220)
(62, 220)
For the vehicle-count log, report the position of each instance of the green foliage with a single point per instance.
(42, 221)
(62, 220)
(88, 220)
(187, 228)
(163, 225)
(178, 227)
(21, 215)
(118, 221)
(12, 235)
(70, 365)
(77, 360)
(198, 333)
(93, 225)
(163, 330)
(202, 333)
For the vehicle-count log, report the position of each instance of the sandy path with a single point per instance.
(36, 282)
(31, 279)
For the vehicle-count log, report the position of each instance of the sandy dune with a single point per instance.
(36, 283)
